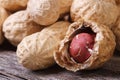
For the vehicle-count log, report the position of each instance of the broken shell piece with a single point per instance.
(36, 51)
(100, 11)
(102, 50)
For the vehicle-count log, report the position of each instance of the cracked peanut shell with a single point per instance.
(44, 12)
(36, 51)
(102, 50)
(3, 15)
(13, 5)
(100, 11)
(19, 25)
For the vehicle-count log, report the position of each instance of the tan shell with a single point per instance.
(119, 9)
(44, 12)
(36, 51)
(13, 5)
(3, 15)
(19, 25)
(116, 31)
(102, 51)
(65, 6)
(100, 11)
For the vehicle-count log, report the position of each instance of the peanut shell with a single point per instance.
(119, 10)
(19, 25)
(65, 6)
(101, 52)
(36, 51)
(100, 11)
(44, 12)
(13, 5)
(3, 15)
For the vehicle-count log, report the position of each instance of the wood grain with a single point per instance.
(10, 69)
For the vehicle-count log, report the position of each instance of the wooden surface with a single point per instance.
(10, 69)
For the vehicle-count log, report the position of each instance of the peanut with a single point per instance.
(80, 45)
(19, 25)
(99, 53)
(101, 11)
(36, 51)
(13, 5)
(44, 12)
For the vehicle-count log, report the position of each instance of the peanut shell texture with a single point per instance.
(102, 51)
(19, 25)
(100, 11)
(13, 5)
(44, 12)
(65, 6)
(35, 52)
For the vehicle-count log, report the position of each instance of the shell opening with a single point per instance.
(81, 44)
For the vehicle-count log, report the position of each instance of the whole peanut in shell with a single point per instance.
(44, 12)
(36, 51)
(100, 11)
(19, 25)
(3, 15)
(13, 5)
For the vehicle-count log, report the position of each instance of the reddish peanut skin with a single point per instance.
(80, 45)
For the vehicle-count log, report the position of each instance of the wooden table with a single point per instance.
(10, 69)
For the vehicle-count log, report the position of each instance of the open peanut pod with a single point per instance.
(116, 31)
(86, 57)
(36, 51)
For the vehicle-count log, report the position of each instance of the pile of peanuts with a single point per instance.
(75, 34)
